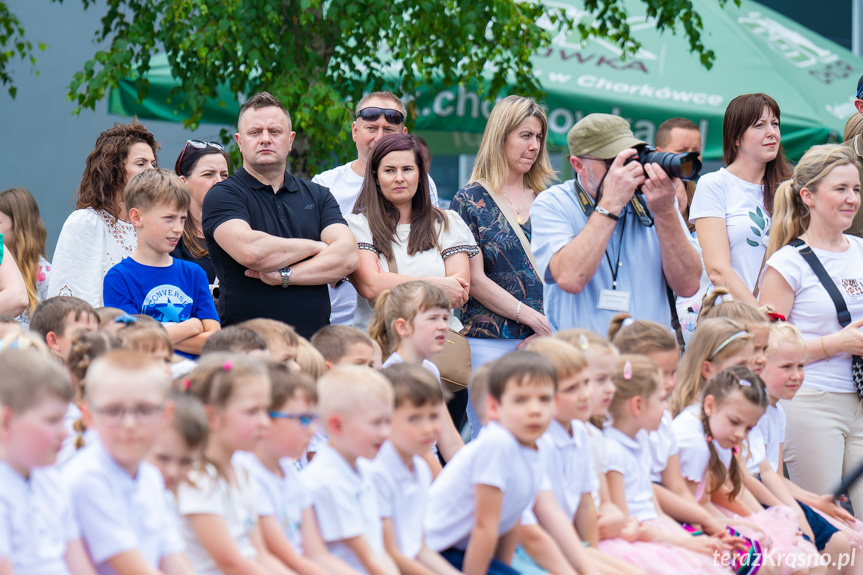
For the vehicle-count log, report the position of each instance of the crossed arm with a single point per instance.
(312, 262)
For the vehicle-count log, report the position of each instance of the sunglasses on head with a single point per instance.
(199, 145)
(372, 113)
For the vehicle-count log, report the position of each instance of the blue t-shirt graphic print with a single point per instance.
(170, 294)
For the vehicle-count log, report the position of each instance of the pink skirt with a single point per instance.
(661, 558)
(780, 537)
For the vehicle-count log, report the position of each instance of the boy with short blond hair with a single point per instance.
(282, 340)
(355, 406)
(38, 530)
(119, 498)
(150, 281)
(402, 477)
(344, 345)
(57, 319)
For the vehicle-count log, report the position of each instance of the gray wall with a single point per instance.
(44, 146)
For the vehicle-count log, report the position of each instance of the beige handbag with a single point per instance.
(454, 362)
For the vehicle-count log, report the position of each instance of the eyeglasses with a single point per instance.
(144, 413)
(199, 144)
(305, 419)
(725, 343)
(372, 113)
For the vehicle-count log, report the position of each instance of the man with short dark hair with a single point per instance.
(679, 136)
(276, 241)
(598, 250)
(377, 114)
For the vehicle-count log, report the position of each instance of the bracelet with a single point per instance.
(824, 349)
(517, 312)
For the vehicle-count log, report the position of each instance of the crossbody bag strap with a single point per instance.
(758, 277)
(838, 301)
(525, 244)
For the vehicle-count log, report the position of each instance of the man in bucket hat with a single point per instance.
(599, 250)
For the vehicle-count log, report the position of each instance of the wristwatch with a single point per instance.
(602, 211)
(286, 276)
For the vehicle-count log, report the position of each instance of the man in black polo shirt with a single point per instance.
(276, 241)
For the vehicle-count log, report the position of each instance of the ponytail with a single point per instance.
(404, 301)
(709, 302)
(790, 214)
(616, 323)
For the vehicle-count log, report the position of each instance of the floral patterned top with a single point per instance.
(504, 262)
(43, 271)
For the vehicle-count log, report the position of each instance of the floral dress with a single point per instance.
(504, 262)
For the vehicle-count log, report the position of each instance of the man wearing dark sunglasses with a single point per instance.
(276, 241)
(377, 114)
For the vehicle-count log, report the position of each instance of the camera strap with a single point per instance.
(587, 206)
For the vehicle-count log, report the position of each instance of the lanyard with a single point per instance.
(587, 207)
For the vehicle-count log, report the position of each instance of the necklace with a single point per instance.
(518, 217)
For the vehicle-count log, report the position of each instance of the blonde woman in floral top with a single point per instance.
(505, 304)
(97, 235)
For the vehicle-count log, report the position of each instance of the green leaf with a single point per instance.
(758, 218)
(752, 243)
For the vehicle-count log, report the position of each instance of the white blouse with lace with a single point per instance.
(90, 243)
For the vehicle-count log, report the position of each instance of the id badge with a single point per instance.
(613, 300)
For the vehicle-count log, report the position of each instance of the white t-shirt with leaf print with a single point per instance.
(741, 204)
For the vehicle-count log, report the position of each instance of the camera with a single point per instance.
(684, 166)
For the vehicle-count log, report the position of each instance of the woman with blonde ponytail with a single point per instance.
(825, 419)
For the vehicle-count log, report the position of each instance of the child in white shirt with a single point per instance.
(476, 503)
(288, 525)
(219, 502)
(401, 477)
(355, 405)
(118, 497)
(38, 531)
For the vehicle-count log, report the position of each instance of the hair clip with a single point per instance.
(582, 342)
(627, 322)
(187, 383)
(627, 370)
(745, 383)
(708, 437)
(227, 366)
(125, 318)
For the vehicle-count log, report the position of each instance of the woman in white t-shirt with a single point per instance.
(732, 208)
(97, 235)
(824, 437)
(397, 227)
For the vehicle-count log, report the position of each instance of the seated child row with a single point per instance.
(579, 468)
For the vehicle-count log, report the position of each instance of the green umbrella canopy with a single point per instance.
(757, 50)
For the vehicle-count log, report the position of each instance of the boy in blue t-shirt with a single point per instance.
(151, 282)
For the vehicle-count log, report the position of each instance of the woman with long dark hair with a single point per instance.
(402, 237)
(732, 208)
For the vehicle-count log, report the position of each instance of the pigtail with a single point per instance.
(616, 323)
(709, 302)
(86, 347)
(719, 388)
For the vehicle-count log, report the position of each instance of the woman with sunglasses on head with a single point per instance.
(201, 165)
(824, 437)
(97, 235)
(732, 208)
(512, 166)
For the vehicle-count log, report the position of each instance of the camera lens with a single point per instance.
(684, 166)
